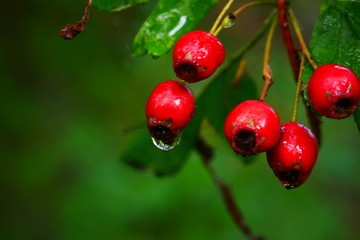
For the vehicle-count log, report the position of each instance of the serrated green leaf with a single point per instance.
(336, 39)
(116, 5)
(324, 4)
(169, 21)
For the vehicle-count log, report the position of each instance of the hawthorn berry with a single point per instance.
(197, 55)
(252, 127)
(169, 109)
(334, 91)
(294, 157)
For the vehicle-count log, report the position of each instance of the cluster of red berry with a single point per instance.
(252, 126)
(171, 105)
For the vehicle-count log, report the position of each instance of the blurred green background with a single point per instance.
(65, 106)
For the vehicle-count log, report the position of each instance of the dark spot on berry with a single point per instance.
(162, 133)
(290, 178)
(344, 106)
(187, 70)
(245, 142)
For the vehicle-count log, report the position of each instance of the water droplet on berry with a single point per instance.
(288, 186)
(166, 147)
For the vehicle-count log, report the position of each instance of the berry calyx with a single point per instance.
(169, 109)
(252, 127)
(197, 55)
(334, 91)
(294, 157)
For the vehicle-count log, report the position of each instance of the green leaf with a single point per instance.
(324, 4)
(336, 39)
(116, 5)
(169, 21)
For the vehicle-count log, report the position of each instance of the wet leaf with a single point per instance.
(169, 21)
(116, 5)
(336, 39)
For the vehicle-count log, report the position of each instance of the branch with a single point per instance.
(206, 153)
(71, 31)
(286, 34)
(295, 63)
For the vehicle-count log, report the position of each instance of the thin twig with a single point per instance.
(301, 40)
(267, 73)
(232, 16)
(206, 153)
(298, 87)
(220, 17)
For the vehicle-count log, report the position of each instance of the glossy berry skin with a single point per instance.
(334, 91)
(197, 55)
(294, 157)
(252, 127)
(169, 109)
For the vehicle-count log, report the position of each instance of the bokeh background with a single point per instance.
(65, 106)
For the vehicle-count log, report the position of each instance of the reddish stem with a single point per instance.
(206, 153)
(286, 34)
(295, 61)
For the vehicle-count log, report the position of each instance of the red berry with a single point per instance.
(197, 55)
(252, 127)
(169, 109)
(334, 91)
(294, 157)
